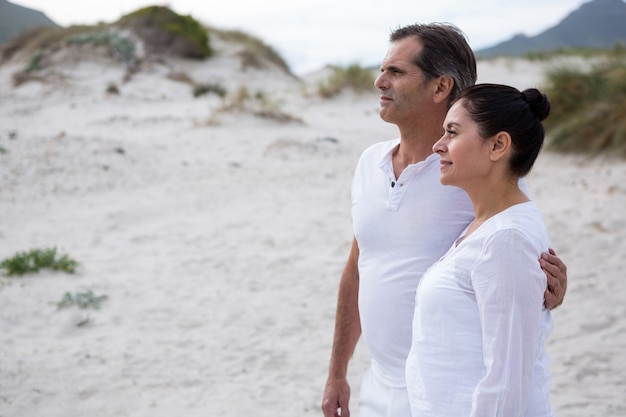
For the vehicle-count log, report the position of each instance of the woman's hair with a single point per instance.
(445, 51)
(497, 108)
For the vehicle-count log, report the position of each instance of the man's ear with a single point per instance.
(443, 89)
(500, 145)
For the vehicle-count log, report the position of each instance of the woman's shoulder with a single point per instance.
(521, 222)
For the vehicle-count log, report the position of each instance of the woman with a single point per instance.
(480, 324)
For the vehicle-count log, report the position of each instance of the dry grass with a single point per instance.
(588, 108)
(255, 53)
(354, 77)
(43, 38)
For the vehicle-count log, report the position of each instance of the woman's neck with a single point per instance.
(489, 200)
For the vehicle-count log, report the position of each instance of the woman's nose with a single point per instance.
(439, 146)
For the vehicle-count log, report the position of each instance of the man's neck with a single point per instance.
(416, 144)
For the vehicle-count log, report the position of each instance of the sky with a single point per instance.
(309, 34)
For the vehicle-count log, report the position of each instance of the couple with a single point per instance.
(470, 340)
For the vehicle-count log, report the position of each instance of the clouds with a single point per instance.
(312, 33)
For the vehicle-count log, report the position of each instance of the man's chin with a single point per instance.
(384, 115)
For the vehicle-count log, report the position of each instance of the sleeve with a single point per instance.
(509, 287)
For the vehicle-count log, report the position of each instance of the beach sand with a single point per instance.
(219, 238)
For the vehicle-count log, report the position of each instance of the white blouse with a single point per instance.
(480, 325)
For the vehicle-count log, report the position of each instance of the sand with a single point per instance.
(219, 238)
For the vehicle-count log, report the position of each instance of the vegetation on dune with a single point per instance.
(155, 30)
(42, 44)
(588, 108)
(198, 89)
(34, 260)
(86, 299)
(353, 77)
(161, 29)
(120, 47)
(42, 38)
(164, 30)
(255, 52)
(257, 104)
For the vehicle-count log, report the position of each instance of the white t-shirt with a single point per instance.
(480, 324)
(401, 231)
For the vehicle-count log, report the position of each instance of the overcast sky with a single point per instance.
(311, 33)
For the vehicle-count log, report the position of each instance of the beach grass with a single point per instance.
(254, 53)
(353, 77)
(34, 260)
(588, 107)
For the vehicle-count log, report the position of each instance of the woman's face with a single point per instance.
(465, 155)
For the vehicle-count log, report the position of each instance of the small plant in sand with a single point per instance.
(353, 77)
(202, 89)
(34, 260)
(112, 88)
(588, 108)
(83, 300)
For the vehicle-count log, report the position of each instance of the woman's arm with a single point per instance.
(509, 286)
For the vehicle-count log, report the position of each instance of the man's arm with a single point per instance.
(556, 273)
(347, 333)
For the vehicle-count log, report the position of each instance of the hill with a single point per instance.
(15, 19)
(597, 24)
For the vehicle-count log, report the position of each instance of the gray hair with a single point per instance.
(445, 52)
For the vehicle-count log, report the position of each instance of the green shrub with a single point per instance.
(34, 260)
(85, 299)
(164, 30)
(353, 77)
(588, 108)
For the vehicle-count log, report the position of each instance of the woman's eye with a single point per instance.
(450, 132)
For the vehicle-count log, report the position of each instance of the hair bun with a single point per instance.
(538, 102)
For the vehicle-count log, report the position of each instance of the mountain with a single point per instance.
(597, 24)
(15, 19)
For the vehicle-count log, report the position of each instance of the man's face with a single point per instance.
(403, 91)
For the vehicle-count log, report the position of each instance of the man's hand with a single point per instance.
(336, 398)
(556, 273)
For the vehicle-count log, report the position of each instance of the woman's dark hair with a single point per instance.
(497, 108)
(445, 52)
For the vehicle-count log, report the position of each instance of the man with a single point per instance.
(403, 219)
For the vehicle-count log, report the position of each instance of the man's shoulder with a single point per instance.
(380, 149)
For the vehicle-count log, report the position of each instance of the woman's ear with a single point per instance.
(443, 88)
(501, 143)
